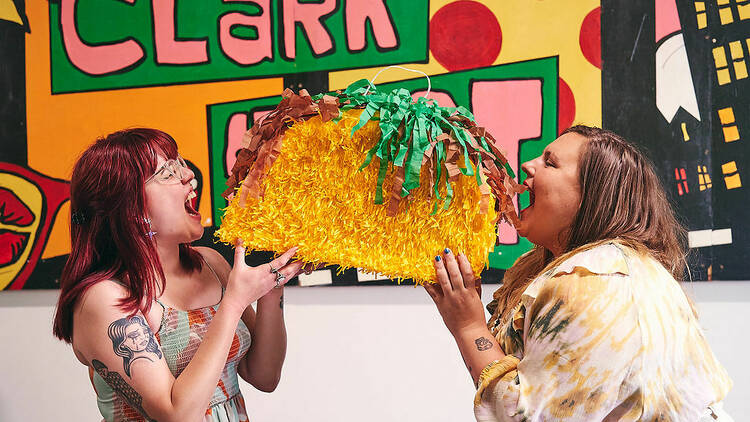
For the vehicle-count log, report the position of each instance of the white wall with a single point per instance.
(355, 354)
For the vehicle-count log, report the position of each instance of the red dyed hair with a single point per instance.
(111, 241)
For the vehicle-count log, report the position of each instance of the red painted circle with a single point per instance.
(590, 37)
(465, 35)
(566, 104)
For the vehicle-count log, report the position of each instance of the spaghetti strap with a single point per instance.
(215, 275)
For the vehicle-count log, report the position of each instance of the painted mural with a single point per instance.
(204, 71)
(680, 69)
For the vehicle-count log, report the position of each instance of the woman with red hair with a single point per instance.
(165, 328)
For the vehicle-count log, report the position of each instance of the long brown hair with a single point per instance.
(621, 199)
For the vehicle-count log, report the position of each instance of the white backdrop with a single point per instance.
(365, 354)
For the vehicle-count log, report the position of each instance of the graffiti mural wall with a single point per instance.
(203, 71)
(676, 81)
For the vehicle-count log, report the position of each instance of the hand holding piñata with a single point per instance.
(369, 180)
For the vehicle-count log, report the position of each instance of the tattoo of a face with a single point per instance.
(132, 339)
(114, 380)
(483, 343)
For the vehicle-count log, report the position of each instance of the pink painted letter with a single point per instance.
(247, 52)
(168, 49)
(512, 111)
(95, 59)
(309, 15)
(357, 14)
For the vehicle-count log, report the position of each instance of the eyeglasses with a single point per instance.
(170, 172)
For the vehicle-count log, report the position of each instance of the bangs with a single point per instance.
(144, 145)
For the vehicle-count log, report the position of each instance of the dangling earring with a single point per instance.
(150, 233)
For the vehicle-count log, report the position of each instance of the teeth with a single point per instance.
(191, 195)
(194, 184)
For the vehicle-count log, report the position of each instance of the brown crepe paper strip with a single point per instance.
(262, 144)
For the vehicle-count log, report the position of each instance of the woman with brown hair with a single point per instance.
(591, 324)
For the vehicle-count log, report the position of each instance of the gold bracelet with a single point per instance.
(483, 373)
(491, 372)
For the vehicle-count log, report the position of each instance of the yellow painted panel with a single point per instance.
(8, 12)
(735, 49)
(700, 6)
(733, 182)
(685, 134)
(107, 111)
(720, 57)
(702, 21)
(729, 167)
(725, 15)
(722, 2)
(519, 43)
(726, 115)
(723, 76)
(731, 134)
(740, 70)
(743, 10)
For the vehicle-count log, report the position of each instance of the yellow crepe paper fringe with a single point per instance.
(315, 198)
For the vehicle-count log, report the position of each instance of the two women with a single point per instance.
(591, 324)
(164, 328)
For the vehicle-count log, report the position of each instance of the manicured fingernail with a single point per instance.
(447, 250)
(437, 258)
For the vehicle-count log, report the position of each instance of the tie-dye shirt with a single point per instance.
(606, 335)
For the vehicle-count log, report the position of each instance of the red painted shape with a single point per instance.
(590, 37)
(465, 35)
(681, 176)
(13, 211)
(512, 111)
(55, 192)
(11, 246)
(566, 106)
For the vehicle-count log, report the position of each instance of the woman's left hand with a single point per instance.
(456, 294)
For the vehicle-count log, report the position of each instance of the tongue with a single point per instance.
(190, 206)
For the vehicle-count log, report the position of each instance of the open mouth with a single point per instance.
(531, 197)
(190, 204)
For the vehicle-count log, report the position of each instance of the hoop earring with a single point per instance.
(150, 233)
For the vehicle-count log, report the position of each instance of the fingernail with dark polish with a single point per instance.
(447, 250)
(437, 258)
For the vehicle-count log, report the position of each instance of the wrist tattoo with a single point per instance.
(281, 302)
(132, 339)
(483, 343)
(114, 380)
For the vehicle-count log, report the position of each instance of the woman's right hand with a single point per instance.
(247, 284)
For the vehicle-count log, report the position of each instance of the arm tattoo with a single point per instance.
(114, 380)
(132, 339)
(483, 343)
(281, 302)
